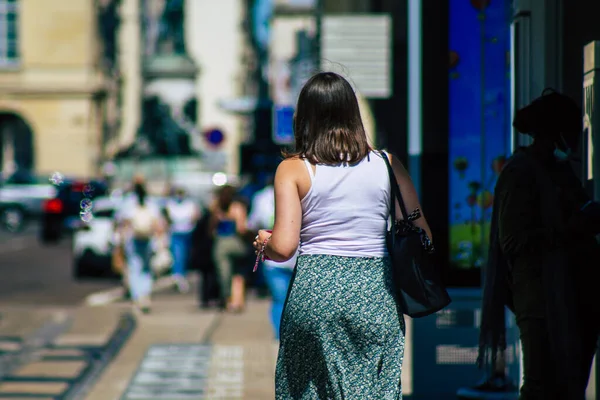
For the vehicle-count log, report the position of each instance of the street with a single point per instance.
(42, 322)
(35, 274)
(55, 344)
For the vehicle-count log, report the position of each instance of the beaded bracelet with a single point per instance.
(260, 256)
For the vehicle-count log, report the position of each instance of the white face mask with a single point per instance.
(560, 154)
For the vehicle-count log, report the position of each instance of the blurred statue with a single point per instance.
(164, 27)
(172, 23)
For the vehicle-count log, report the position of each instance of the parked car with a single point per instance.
(93, 241)
(22, 196)
(62, 212)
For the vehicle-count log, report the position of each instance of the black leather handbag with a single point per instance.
(418, 281)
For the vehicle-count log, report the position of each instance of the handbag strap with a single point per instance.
(395, 191)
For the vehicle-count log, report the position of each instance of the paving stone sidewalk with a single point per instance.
(51, 348)
(181, 352)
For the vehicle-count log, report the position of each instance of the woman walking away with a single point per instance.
(342, 333)
(183, 214)
(228, 225)
(142, 224)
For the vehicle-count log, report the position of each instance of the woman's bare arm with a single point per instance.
(409, 194)
(241, 217)
(288, 212)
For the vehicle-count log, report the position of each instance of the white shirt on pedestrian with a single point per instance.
(129, 204)
(262, 216)
(183, 214)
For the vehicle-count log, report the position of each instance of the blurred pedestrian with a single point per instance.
(142, 221)
(544, 256)
(342, 334)
(161, 260)
(228, 224)
(183, 215)
(277, 274)
(203, 260)
(127, 201)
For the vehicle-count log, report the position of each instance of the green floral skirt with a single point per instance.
(342, 334)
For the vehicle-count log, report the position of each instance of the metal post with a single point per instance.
(261, 13)
(415, 90)
(591, 119)
(319, 11)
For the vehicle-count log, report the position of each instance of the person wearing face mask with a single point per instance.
(183, 214)
(544, 257)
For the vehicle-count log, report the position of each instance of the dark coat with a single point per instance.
(529, 240)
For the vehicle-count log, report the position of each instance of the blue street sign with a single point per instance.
(214, 136)
(283, 131)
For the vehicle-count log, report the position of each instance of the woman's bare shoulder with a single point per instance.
(292, 160)
(238, 205)
(395, 162)
(237, 209)
(290, 166)
(391, 157)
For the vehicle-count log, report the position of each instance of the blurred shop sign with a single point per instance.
(214, 137)
(360, 46)
(283, 130)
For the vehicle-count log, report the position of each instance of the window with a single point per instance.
(9, 33)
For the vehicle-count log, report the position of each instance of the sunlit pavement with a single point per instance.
(181, 352)
(64, 339)
(51, 352)
(176, 352)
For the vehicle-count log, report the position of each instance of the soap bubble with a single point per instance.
(88, 190)
(86, 204)
(57, 178)
(86, 216)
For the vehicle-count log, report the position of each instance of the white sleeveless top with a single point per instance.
(181, 214)
(346, 210)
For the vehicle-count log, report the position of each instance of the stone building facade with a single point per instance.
(58, 85)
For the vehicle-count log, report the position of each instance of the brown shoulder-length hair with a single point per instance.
(328, 128)
(225, 196)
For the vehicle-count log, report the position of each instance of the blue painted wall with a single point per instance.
(473, 100)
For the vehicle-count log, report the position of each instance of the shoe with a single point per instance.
(139, 309)
(144, 304)
(494, 387)
(235, 309)
(496, 383)
(182, 285)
